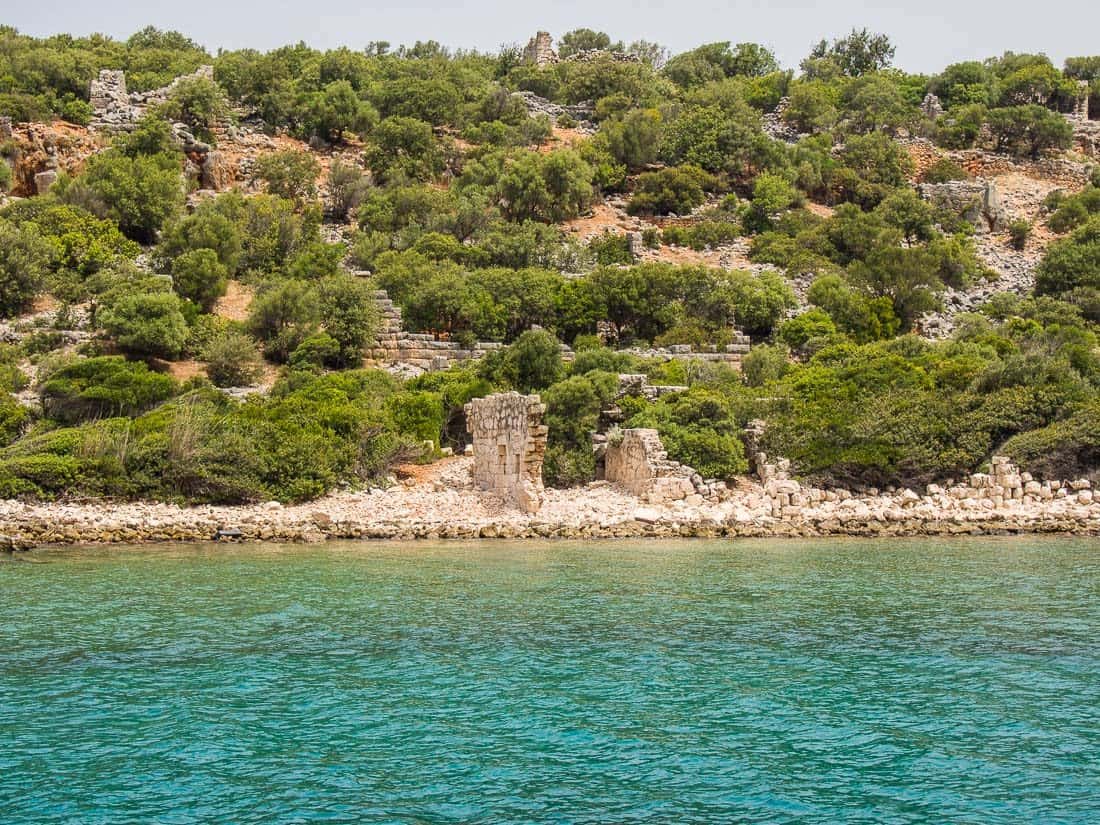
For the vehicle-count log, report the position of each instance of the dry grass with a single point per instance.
(236, 301)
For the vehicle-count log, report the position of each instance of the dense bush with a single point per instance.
(1071, 269)
(102, 388)
(24, 261)
(698, 428)
(676, 189)
(231, 360)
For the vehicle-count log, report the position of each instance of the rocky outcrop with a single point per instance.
(509, 441)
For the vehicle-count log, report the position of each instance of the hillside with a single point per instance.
(259, 276)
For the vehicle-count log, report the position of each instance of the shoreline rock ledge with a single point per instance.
(449, 506)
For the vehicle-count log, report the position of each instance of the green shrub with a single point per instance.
(418, 415)
(102, 387)
(1066, 449)
(284, 315)
(13, 418)
(289, 174)
(568, 466)
(676, 189)
(231, 360)
(200, 277)
(764, 363)
(944, 170)
(1018, 233)
(532, 363)
(24, 261)
(140, 192)
(146, 324)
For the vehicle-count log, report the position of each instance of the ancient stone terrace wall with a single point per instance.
(509, 441)
(729, 354)
(395, 346)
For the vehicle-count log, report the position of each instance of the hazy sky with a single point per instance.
(928, 34)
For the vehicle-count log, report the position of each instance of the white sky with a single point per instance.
(928, 34)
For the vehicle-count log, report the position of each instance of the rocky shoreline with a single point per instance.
(447, 506)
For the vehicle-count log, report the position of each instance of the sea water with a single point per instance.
(725, 681)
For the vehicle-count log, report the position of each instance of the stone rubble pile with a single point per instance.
(776, 127)
(1015, 272)
(581, 113)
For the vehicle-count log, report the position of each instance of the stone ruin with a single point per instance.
(116, 109)
(392, 345)
(1080, 112)
(1086, 133)
(976, 201)
(636, 459)
(775, 125)
(931, 106)
(422, 352)
(1005, 486)
(540, 50)
(509, 441)
(582, 113)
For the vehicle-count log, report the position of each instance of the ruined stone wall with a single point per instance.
(1005, 486)
(509, 441)
(637, 460)
(1081, 103)
(540, 50)
(393, 345)
(976, 201)
(729, 354)
(116, 109)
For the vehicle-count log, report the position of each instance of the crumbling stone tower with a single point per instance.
(540, 50)
(509, 444)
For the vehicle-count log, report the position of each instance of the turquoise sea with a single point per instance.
(754, 681)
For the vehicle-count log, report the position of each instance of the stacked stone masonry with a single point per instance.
(976, 201)
(116, 109)
(509, 442)
(393, 345)
(637, 460)
(540, 50)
